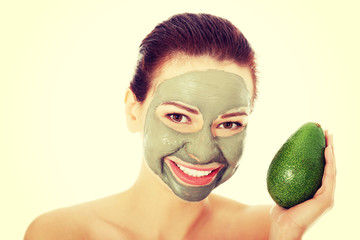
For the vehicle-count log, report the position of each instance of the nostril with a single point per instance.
(202, 152)
(202, 147)
(194, 157)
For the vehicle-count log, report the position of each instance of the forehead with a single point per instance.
(213, 90)
(180, 64)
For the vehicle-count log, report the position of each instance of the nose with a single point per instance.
(203, 148)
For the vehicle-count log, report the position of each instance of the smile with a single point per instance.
(193, 172)
(193, 175)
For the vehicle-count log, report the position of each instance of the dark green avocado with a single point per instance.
(296, 171)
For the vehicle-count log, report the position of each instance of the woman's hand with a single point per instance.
(292, 223)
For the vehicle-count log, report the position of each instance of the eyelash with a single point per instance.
(171, 115)
(238, 125)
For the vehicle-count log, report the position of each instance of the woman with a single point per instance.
(192, 93)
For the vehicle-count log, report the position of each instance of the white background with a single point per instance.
(64, 67)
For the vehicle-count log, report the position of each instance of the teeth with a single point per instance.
(192, 172)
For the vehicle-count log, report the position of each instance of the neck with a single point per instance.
(160, 209)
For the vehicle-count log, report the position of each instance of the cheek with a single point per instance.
(159, 140)
(232, 147)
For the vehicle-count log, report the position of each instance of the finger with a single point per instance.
(325, 194)
(330, 156)
(324, 197)
(330, 168)
(275, 212)
(329, 138)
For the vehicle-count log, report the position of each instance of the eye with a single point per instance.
(178, 118)
(230, 125)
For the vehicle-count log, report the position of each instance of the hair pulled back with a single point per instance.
(192, 35)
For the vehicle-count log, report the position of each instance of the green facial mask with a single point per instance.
(213, 93)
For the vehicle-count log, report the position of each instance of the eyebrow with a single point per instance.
(234, 114)
(191, 110)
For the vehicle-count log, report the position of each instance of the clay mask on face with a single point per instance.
(190, 140)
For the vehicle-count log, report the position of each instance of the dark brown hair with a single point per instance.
(192, 35)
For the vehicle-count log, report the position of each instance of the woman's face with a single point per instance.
(194, 123)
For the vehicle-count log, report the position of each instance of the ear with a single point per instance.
(132, 111)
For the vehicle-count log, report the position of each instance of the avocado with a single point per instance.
(296, 171)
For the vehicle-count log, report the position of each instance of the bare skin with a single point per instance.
(150, 210)
(164, 216)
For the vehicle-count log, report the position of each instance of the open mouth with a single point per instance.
(194, 176)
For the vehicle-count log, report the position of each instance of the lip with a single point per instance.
(188, 180)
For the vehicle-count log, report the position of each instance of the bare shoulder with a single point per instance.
(82, 221)
(245, 221)
(57, 224)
